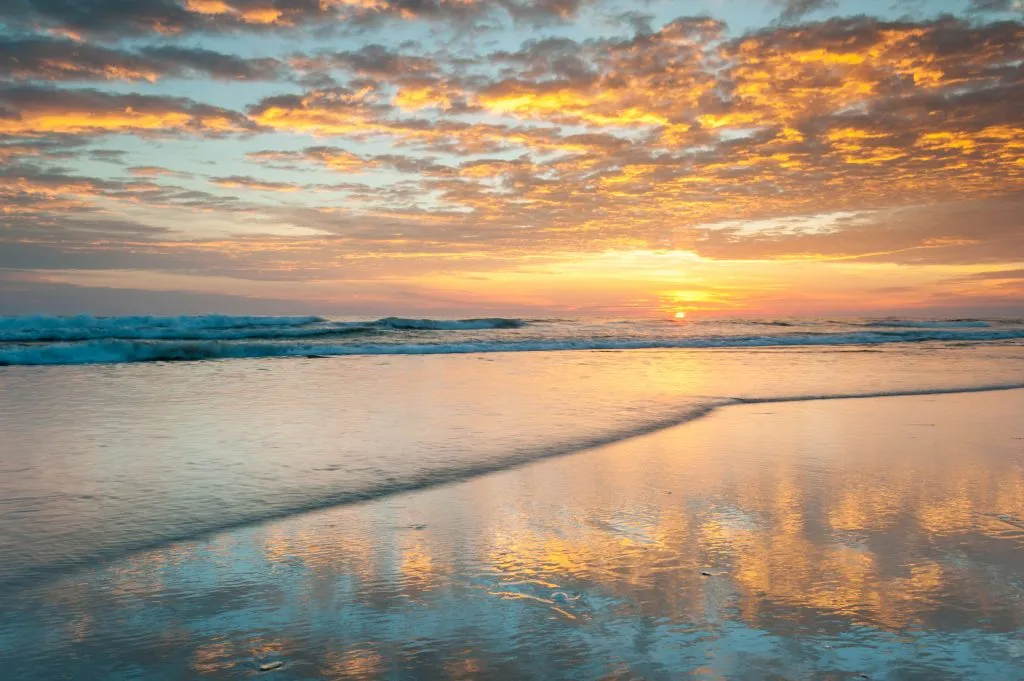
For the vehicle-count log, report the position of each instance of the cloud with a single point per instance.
(182, 60)
(978, 6)
(997, 275)
(327, 111)
(45, 58)
(108, 155)
(30, 110)
(244, 182)
(853, 140)
(55, 59)
(794, 10)
(18, 295)
(362, 242)
(370, 61)
(52, 147)
(35, 199)
(119, 18)
(40, 191)
(155, 171)
(690, 127)
(687, 78)
(655, 79)
(970, 232)
(335, 158)
(367, 113)
(555, 57)
(345, 161)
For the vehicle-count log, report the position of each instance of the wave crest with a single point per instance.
(35, 328)
(929, 324)
(120, 350)
(451, 325)
(41, 328)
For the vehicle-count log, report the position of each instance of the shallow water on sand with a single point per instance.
(878, 538)
(96, 461)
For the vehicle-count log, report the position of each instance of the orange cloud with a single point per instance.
(251, 15)
(819, 144)
(208, 6)
(414, 98)
(238, 182)
(111, 18)
(42, 111)
(154, 171)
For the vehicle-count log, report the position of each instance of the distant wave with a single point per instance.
(929, 324)
(39, 328)
(450, 325)
(123, 350)
(87, 327)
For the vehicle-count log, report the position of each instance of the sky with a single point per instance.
(472, 157)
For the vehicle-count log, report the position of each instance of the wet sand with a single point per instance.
(878, 538)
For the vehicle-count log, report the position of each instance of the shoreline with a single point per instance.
(828, 536)
(443, 478)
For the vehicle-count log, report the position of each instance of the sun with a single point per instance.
(680, 315)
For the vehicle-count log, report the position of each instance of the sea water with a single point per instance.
(103, 453)
(84, 339)
(875, 539)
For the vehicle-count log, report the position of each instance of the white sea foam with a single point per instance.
(930, 324)
(41, 328)
(31, 328)
(127, 350)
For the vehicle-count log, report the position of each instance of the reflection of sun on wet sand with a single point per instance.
(828, 539)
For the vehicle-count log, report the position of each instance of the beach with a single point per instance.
(511, 340)
(878, 538)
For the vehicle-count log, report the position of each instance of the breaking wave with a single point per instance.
(36, 328)
(930, 324)
(450, 325)
(39, 328)
(119, 350)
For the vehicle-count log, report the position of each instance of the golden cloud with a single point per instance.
(37, 111)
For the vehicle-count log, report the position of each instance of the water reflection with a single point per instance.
(806, 540)
(99, 460)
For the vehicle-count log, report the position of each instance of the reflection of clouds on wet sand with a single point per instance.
(820, 538)
(110, 461)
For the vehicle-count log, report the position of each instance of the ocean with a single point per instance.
(126, 436)
(109, 446)
(86, 340)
